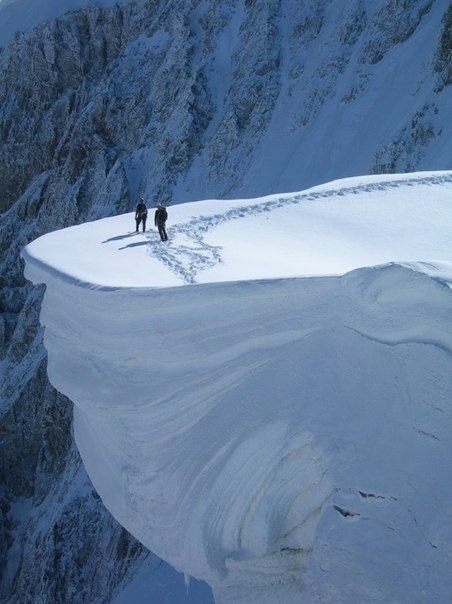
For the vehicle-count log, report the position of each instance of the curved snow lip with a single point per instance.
(253, 433)
(239, 429)
(40, 273)
(329, 229)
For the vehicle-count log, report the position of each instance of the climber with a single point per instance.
(160, 218)
(141, 213)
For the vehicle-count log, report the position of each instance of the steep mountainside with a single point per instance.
(22, 15)
(177, 102)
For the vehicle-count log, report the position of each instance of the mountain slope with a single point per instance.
(208, 100)
(259, 434)
(22, 15)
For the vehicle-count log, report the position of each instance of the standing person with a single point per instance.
(141, 213)
(159, 220)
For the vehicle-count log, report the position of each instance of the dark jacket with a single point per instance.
(160, 216)
(141, 210)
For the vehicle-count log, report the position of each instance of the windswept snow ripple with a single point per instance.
(261, 435)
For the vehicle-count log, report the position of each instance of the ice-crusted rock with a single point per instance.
(393, 24)
(404, 152)
(443, 55)
(53, 524)
(205, 99)
(191, 97)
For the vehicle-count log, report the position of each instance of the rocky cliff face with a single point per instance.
(216, 98)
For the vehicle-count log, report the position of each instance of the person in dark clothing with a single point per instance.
(141, 213)
(159, 219)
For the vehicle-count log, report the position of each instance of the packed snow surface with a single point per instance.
(329, 229)
(265, 400)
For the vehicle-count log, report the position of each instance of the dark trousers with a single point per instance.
(162, 231)
(141, 219)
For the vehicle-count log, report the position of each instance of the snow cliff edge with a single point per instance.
(263, 434)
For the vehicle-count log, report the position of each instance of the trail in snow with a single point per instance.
(330, 229)
(194, 255)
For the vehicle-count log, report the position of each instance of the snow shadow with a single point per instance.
(119, 237)
(137, 244)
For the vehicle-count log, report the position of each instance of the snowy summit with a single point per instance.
(329, 229)
(264, 400)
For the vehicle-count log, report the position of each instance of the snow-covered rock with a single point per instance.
(223, 98)
(285, 438)
(19, 16)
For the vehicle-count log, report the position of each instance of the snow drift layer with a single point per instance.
(283, 439)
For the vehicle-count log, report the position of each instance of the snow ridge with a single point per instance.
(258, 434)
(195, 255)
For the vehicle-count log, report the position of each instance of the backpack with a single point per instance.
(161, 215)
(141, 210)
